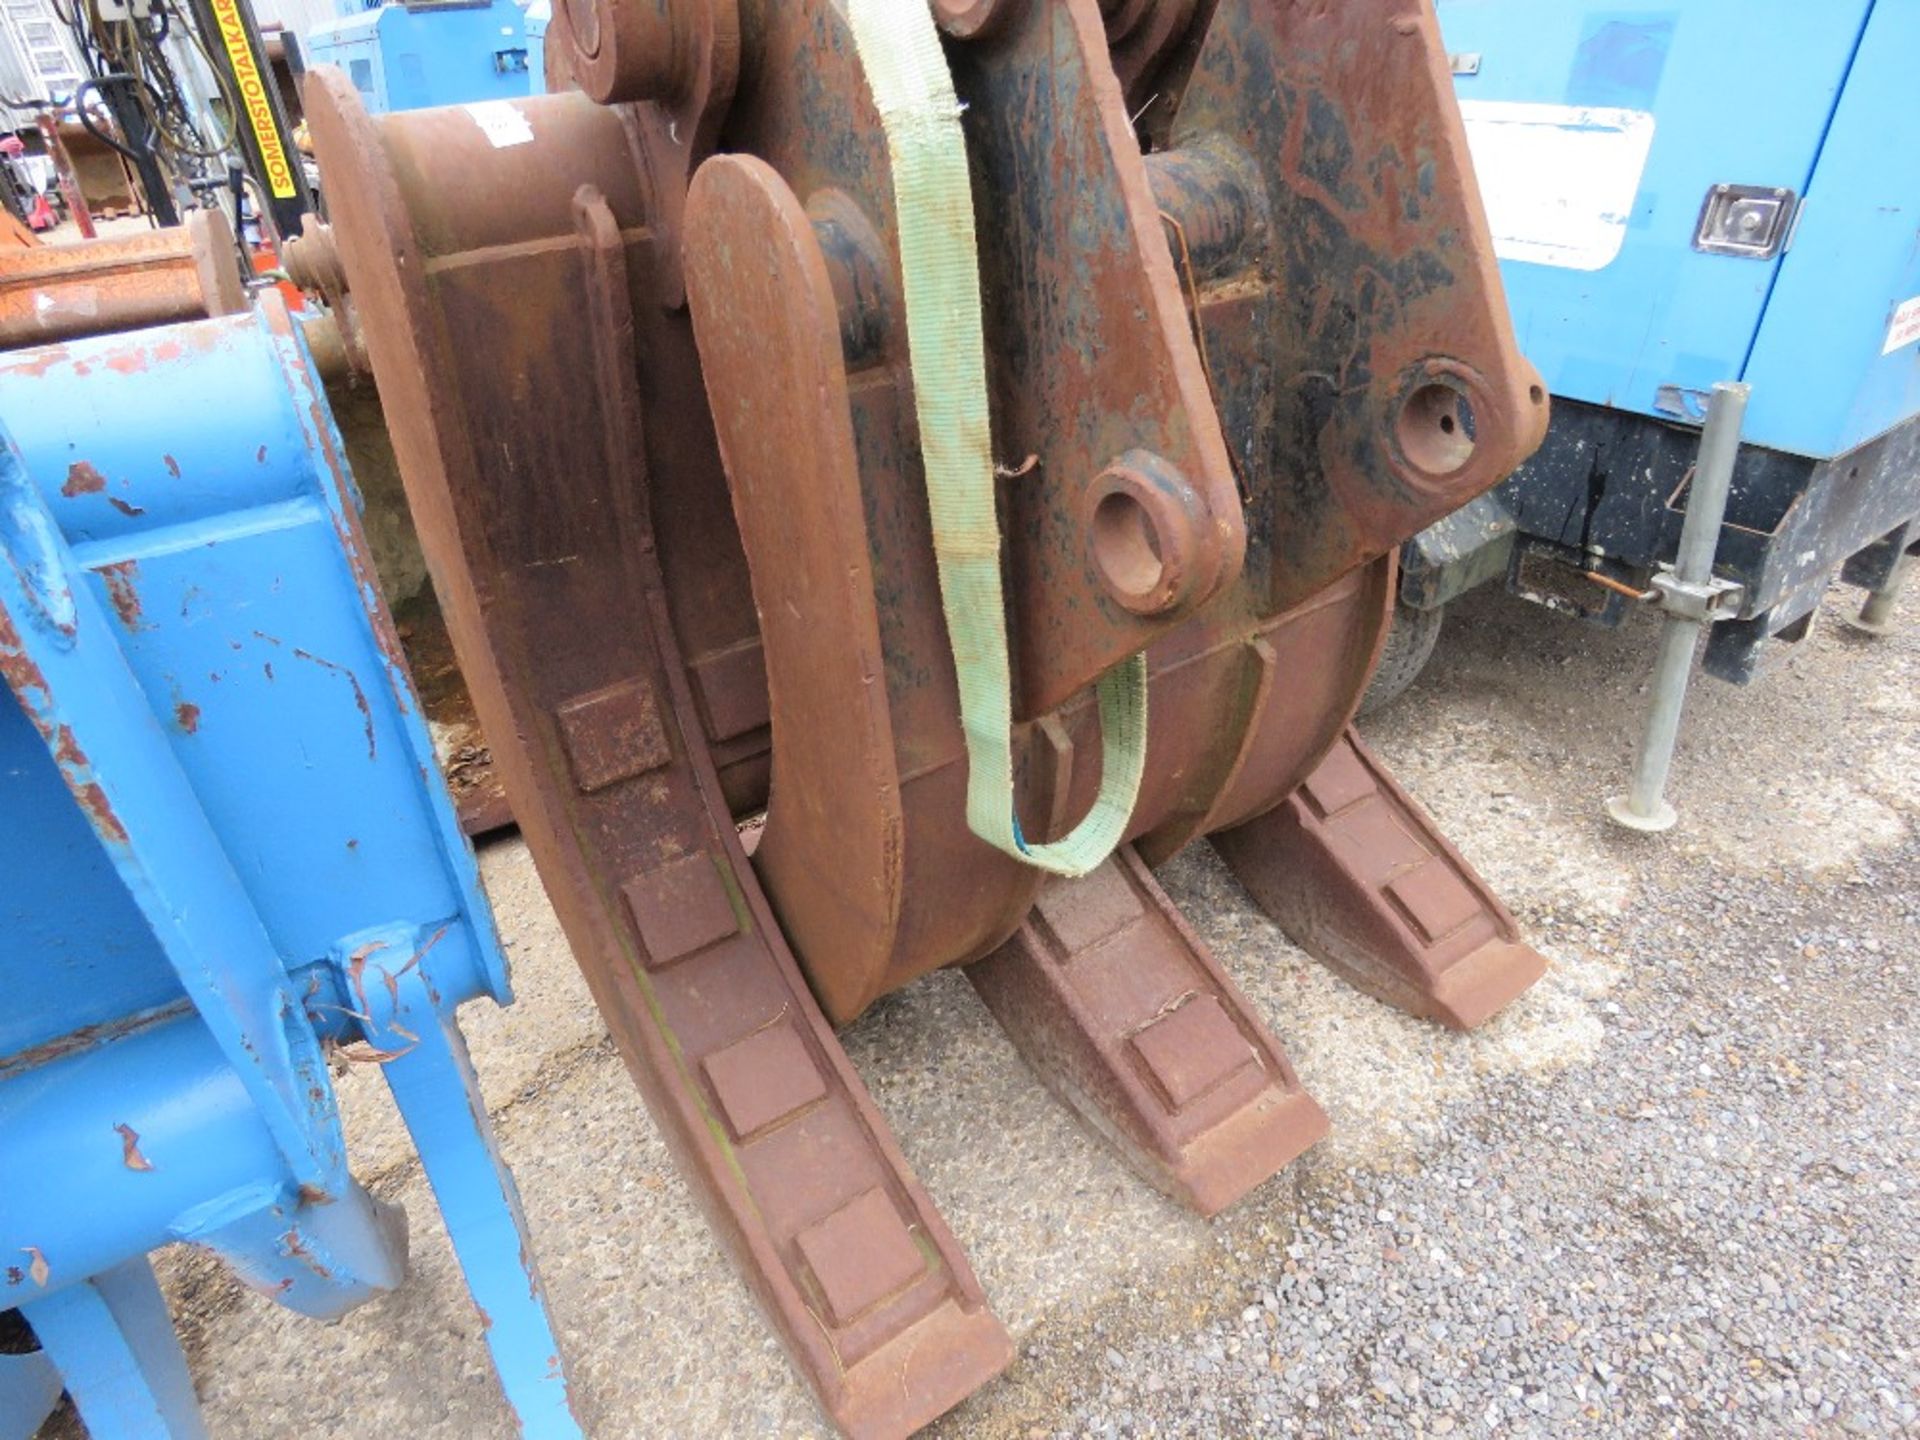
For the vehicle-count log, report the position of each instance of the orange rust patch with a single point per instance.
(297, 1250)
(83, 479)
(73, 764)
(130, 1148)
(22, 674)
(42, 361)
(187, 716)
(359, 695)
(126, 507)
(94, 801)
(66, 749)
(120, 589)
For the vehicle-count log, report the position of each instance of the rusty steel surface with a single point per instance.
(1359, 877)
(654, 410)
(100, 175)
(1122, 1010)
(1316, 167)
(466, 759)
(1129, 520)
(559, 607)
(99, 287)
(862, 858)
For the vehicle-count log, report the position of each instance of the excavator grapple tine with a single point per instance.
(535, 516)
(1360, 878)
(853, 1262)
(1124, 1013)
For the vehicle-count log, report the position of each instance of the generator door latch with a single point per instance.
(1751, 221)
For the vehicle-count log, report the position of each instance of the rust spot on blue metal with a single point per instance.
(187, 716)
(359, 695)
(120, 578)
(87, 1036)
(126, 507)
(83, 479)
(134, 358)
(353, 540)
(99, 809)
(38, 361)
(173, 466)
(76, 767)
(130, 1148)
(68, 749)
(297, 1250)
(357, 970)
(22, 674)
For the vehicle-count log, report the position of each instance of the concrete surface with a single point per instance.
(1673, 1190)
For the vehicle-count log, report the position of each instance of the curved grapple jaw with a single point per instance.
(644, 349)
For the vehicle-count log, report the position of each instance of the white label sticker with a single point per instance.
(1559, 181)
(1905, 328)
(504, 125)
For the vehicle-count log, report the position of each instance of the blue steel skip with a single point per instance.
(227, 856)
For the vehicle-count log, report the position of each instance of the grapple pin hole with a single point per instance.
(1435, 429)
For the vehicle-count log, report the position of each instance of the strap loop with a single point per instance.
(912, 88)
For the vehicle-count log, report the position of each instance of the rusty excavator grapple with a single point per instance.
(677, 393)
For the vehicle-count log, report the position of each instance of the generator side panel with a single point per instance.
(1598, 132)
(453, 54)
(353, 43)
(1837, 360)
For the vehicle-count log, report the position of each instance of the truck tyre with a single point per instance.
(1410, 640)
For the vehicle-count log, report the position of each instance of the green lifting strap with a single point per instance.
(907, 71)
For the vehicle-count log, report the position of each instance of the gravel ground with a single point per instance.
(1672, 1190)
(1707, 1224)
(1709, 1230)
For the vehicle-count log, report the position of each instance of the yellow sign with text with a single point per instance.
(253, 98)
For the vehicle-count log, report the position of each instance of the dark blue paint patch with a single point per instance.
(1620, 59)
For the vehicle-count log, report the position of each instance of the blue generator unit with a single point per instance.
(423, 53)
(1685, 194)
